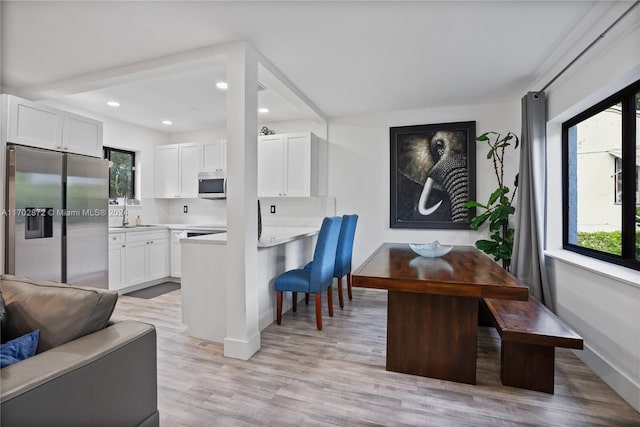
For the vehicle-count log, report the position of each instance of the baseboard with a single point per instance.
(266, 318)
(242, 349)
(618, 381)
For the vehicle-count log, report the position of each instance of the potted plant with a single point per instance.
(499, 207)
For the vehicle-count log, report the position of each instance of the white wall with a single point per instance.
(293, 126)
(359, 162)
(599, 300)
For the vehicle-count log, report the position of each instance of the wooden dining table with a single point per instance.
(432, 307)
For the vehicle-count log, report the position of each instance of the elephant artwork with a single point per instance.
(432, 175)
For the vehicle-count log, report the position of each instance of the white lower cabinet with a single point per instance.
(176, 252)
(135, 268)
(157, 259)
(138, 256)
(116, 262)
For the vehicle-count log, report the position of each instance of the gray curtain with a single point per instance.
(527, 260)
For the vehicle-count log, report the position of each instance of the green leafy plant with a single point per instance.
(499, 207)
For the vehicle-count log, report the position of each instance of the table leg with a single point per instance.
(432, 335)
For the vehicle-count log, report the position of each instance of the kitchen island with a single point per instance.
(204, 276)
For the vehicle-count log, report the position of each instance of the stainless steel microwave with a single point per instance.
(212, 185)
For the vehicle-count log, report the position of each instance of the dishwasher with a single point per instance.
(202, 233)
(176, 256)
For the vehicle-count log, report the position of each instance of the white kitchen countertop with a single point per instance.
(196, 226)
(153, 227)
(136, 229)
(271, 236)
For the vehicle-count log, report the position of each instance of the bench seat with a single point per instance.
(530, 333)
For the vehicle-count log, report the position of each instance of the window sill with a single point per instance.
(611, 271)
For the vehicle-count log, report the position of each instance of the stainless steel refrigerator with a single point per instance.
(56, 216)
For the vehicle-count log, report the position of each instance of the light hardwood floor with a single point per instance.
(337, 376)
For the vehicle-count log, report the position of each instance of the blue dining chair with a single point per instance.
(316, 279)
(344, 254)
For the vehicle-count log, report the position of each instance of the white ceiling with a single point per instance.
(347, 57)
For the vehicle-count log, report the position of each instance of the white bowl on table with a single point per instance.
(430, 250)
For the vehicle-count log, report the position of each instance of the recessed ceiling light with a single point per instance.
(222, 85)
(263, 110)
(167, 122)
(113, 104)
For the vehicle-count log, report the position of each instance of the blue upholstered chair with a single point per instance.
(316, 279)
(343, 255)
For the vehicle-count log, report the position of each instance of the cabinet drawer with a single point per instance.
(116, 238)
(146, 235)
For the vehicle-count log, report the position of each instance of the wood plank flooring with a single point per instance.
(337, 377)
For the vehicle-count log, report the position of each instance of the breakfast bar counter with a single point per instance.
(271, 236)
(204, 276)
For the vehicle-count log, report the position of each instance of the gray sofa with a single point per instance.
(88, 371)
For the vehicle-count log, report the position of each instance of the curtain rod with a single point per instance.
(600, 37)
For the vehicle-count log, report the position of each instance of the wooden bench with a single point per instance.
(530, 333)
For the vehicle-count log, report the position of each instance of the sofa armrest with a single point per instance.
(108, 377)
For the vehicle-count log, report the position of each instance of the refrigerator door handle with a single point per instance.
(10, 214)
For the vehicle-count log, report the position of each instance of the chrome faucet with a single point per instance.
(125, 214)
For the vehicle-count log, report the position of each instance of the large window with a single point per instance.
(122, 177)
(601, 149)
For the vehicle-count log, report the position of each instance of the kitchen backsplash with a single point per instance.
(289, 211)
(199, 211)
(151, 211)
(296, 211)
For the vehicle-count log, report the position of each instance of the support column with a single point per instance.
(243, 333)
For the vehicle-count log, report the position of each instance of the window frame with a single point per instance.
(617, 180)
(106, 151)
(626, 97)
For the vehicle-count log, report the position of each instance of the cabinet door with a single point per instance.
(298, 165)
(211, 158)
(158, 259)
(116, 266)
(167, 173)
(176, 252)
(223, 154)
(33, 124)
(176, 260)
(82, 135)
(271, 158)
(135, 267)
(189, 168)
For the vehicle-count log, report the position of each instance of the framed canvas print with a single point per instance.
(432, 175)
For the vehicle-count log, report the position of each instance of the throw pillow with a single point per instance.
(61, 312)
(3, 318)
(19, 349)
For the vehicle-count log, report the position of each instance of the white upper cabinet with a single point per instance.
(36, 125)
(214, 156)
(82, 135)
(30, 123)
(291, 165)
(176, 170)
(167, 171)
(271, 166)
(189, 161)
(298, 165)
